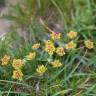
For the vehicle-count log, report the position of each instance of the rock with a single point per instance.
(4, 24)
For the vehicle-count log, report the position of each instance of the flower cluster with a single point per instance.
(17, 74)
(50, 49)
(36, 46)
(70, 45)
(5, 60)
(56, 63)
(55, 36)
(60, 51)
(72, 34)
(41, 69)
(31, 56)
(89, 44)
(17, 65)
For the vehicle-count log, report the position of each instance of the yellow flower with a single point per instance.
(31, 56)
(60, 51)
(5, 60)
(17, 63)
(17, 74)
(56, 63)
(89, 44)
(72, 34)
(41, 69)
(49, 49)
(55, 36)
(36, 46)
(70, 45)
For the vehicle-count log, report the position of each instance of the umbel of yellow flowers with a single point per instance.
(36, 46)
(56, 63)
(31, 55)
(49, 47)
(41, 69)
(17, 74)
(5, 60)
(17, 63)
(89, 44)
(60, 51)
(70, 45)
(72, 34)
(55, 36)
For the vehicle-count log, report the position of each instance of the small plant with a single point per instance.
(48, 62)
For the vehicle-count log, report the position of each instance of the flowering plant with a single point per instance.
(46, 58)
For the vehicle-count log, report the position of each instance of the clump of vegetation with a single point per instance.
(53, 63)
(50, 60)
